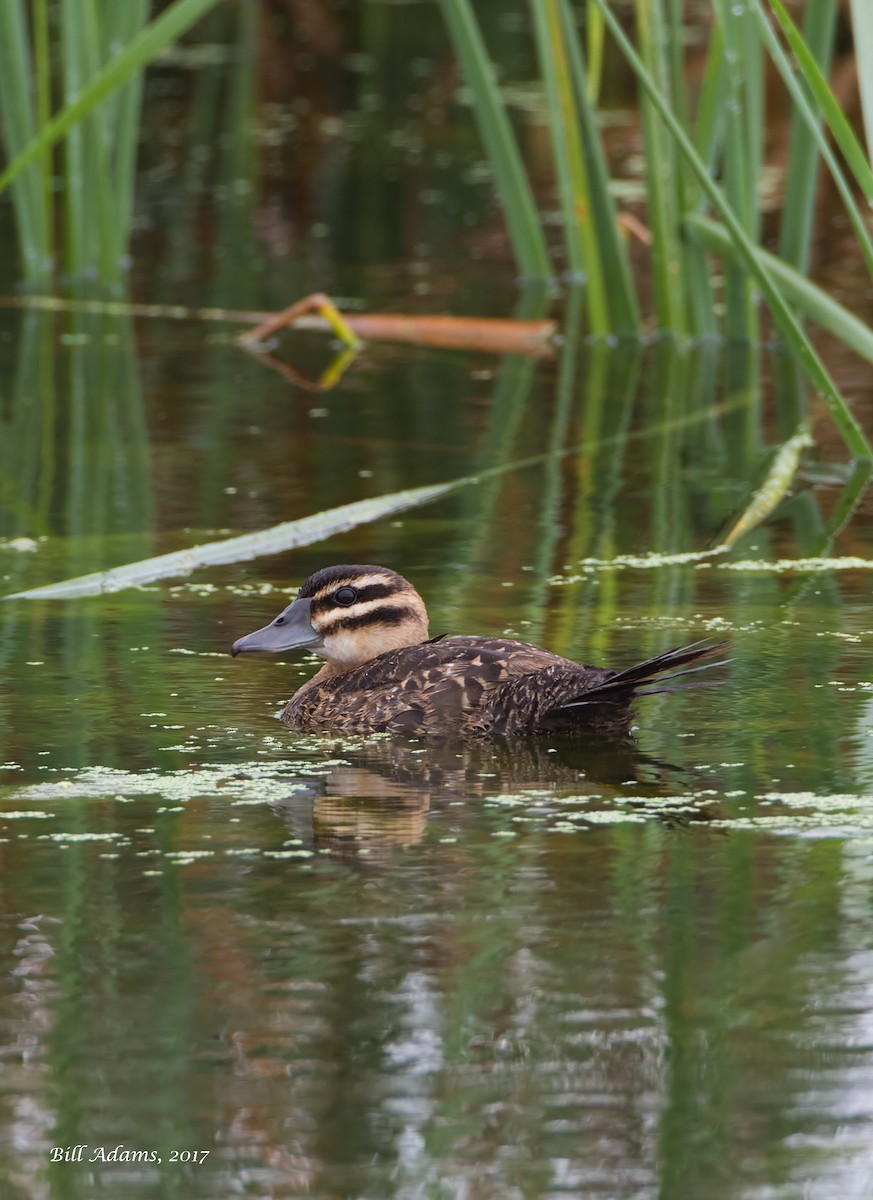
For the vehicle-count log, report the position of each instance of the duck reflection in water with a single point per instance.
(381, 797)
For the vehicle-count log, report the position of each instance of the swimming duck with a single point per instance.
(384, 673)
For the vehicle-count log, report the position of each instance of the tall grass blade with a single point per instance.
(807, 297)
(708, 133)
(698, 293)
(92, 220)
(844, 135)
(30, 198)
(122, 23)
(594, 28)
(803, 157)
(862, 30)
(812, 122)
(42, 70)
(156, 36)
(741, 160)
(787, 323)
(583, 254)
(660, 174)
(618, 279)
(711, 102)
(513, 189)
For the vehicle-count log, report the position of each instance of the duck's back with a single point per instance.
(466, 685)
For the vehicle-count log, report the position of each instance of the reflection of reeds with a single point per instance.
(76, 440)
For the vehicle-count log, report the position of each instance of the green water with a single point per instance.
(371, 968)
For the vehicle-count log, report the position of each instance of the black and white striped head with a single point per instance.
(347, 614)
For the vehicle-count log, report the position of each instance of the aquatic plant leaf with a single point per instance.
(119, 70)
(862, 31)
(844, 134)
(807, 297)
(808, 123)
(303, 532)
(513, 185)
(850, 430)
(773, 489)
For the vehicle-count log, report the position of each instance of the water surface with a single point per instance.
(367, 967)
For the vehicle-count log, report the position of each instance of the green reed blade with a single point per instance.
(807, 297)
(701, 316)
(82, 193)
(812, 124)
(513, 189)
(803, 157)
(19, 124)
(156, 36)
(754, 110)
(618, 279)
(90, 196)
(667, 272)
(595, 29)
(42, 69)
(844, 135)
(862, 30)
(748, 253)
(708, 133)
(709, 117)
(123, 22)
(583, 253)
(740, 172)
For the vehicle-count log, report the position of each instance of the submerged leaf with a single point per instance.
(774, 487)
(286, 536)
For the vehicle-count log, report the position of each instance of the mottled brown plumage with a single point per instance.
(383, 674)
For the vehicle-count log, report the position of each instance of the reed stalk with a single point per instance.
(803, 158)
(812, 123)
(741, 160)
(807, 297)
(747, 252)
(119, 70)
(862, 30)
(583, 253)
(618, 281)
(660, 166)
(19, 109)
(843, 133)
(513, 189)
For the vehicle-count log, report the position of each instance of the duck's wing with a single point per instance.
(564, 694)
(431, 687)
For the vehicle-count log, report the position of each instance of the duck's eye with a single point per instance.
(345, 596)
(279, 621)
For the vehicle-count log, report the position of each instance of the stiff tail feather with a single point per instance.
(623, 685)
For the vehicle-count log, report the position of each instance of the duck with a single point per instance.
(384, 673)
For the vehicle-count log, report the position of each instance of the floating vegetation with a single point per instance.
(703, 560)
(233, 782)
(262, 785)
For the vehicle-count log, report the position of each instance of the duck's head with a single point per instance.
(348, 615)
